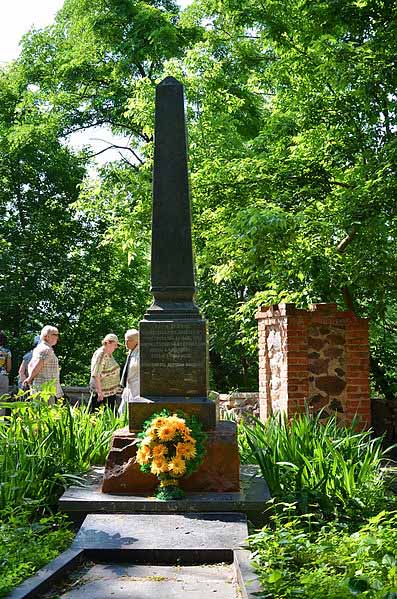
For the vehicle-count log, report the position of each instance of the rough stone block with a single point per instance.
(219, 472)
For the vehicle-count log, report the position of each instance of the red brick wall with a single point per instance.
(317, 357)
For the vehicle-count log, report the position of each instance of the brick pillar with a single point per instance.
(317, 357)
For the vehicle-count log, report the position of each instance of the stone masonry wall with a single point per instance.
(317, 358)
(239, 404)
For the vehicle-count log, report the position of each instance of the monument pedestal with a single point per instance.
(219, 472)
(142, 408)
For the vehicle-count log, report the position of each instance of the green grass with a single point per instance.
(310, 462)
(27, 546)
(332, 521)
(44, 448)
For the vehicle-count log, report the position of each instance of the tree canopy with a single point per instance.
(291, 110)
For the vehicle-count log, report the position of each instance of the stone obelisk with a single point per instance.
(173, 335)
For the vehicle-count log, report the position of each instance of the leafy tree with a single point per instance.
(300, 203)
(291, 111)
(56, 268)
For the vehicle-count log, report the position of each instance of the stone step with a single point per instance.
(132, 581)
(167, 534)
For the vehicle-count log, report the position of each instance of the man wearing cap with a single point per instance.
(105, 374)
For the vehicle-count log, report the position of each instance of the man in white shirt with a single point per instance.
(130, 376)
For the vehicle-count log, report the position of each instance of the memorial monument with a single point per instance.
(173, 335)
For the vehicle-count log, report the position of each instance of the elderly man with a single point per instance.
(44, 366)
(130, 377)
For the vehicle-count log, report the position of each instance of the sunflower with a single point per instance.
(188, 437)
(159, 466)
(177, 466)
(143, 455)
(151, 431)
(186, 450)
(147, 440)
(166, 432)
(157, 422)
(158, 451)
(179, 423)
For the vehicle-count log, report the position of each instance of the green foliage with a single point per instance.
(170, 493)
(25, 547)
(45, 448)
(286, 204)
(59, 263)
(294, 560)
(292, 127)
(313, 463)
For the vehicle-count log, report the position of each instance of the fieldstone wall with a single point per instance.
(238, 404)
(317, 358)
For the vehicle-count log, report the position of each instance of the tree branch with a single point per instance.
(342, 245)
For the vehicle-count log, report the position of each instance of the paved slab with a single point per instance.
(164, 532)
(122, 581)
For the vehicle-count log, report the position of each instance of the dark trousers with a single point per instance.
(107, 401)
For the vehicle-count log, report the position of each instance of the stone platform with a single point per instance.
(219, 472)
(78, 502)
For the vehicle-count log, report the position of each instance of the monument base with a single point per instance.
(219, 472)
(143, 408)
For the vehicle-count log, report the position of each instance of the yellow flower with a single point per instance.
(158, 466)
(157, 422)
(143, 455)
(188, 438)
(151, 431)
(146, 440)
(166, 432)
(158, 451)
(179, 423)
(177, 466)
(186, 450)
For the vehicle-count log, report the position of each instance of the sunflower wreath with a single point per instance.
(170, 446)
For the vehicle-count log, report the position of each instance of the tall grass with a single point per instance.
(43, 448)
(308, 461)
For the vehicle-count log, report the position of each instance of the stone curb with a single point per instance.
(51, 573)
(247, 578)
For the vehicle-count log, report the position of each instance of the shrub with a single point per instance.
(296, 559)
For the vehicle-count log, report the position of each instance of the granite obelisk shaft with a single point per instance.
(172, 271)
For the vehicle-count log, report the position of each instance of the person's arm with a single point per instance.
(35, 367)
(98, 387)
(8, 364)
(22, 372)
(96, 371)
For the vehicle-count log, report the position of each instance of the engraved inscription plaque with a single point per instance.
(173, 358)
